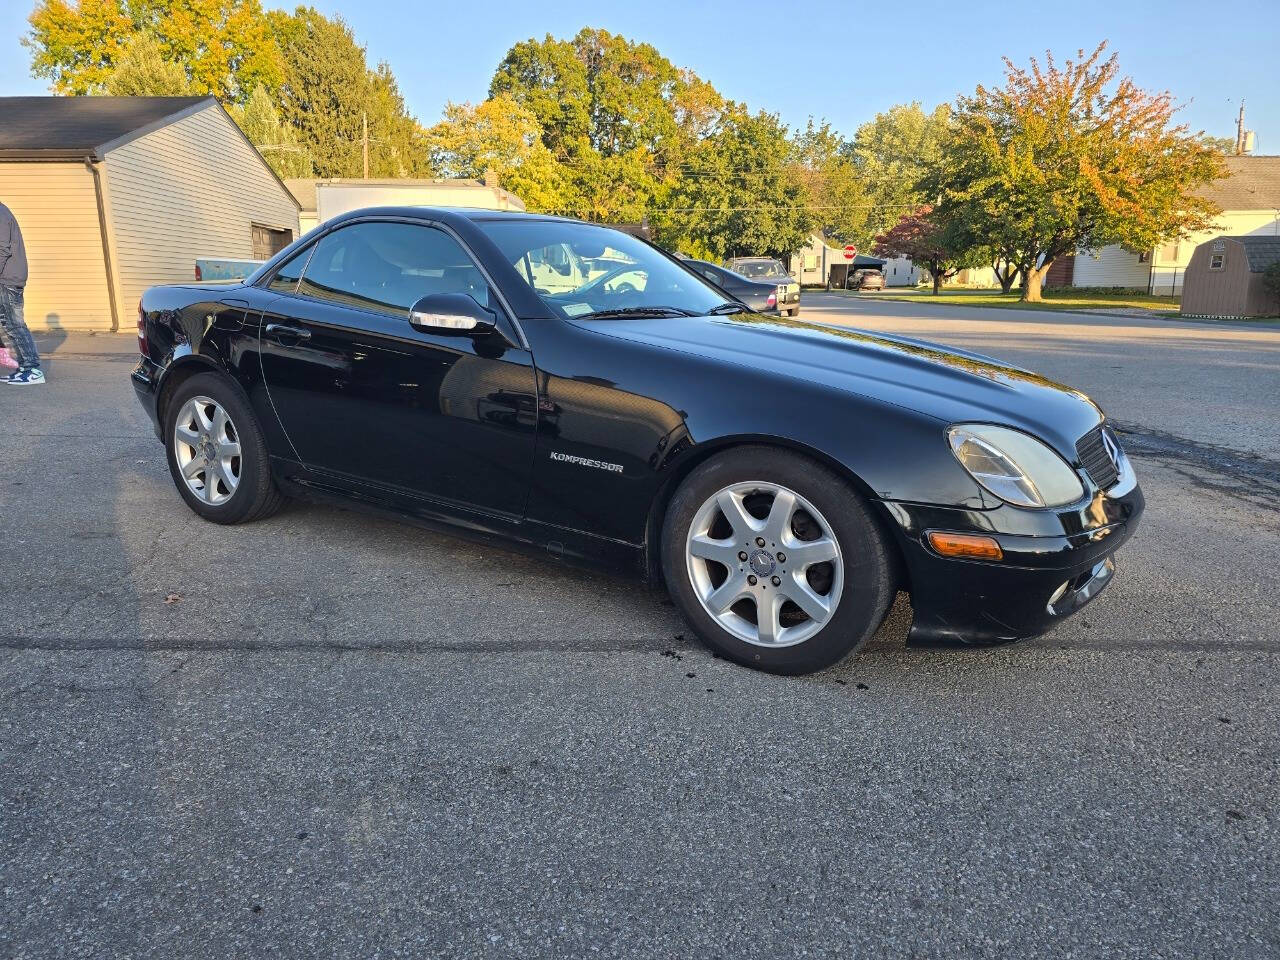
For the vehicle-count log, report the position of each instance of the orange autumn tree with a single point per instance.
(1071, 157)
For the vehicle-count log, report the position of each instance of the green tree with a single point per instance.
(547, 78)
(893, 156)
(1072, 157)
(1271, 280)
(741, 192)
(329, 91)
(833, 188)
(143, 70)
(275, 140)
(620, 118)
(1224, 145)
(501, 136)
(225, 47)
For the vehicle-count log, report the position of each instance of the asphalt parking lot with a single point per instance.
(327, 735)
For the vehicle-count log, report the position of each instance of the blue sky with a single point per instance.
(835, 61)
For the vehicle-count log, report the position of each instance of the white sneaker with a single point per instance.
(24, 378)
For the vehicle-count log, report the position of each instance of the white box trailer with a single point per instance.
(336, 197)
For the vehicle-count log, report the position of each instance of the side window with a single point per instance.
(287, 275)
(388, 267)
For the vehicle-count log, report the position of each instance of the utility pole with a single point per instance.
(1240, 130)
(364, 139)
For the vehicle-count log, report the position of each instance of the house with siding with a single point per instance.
(1250, 200)
(117, 194)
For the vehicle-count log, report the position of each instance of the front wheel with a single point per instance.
(217, 454)
(776, 562)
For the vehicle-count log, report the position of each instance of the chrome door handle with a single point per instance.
(280, 332)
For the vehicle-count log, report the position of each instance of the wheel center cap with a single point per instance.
(762, 563)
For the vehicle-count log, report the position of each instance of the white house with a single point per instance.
(116, 194)
(1250, 200)
(902, 272)
(812, 262)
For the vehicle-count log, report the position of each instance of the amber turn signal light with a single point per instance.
(964, 545)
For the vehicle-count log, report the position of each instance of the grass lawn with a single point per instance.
(1077, 300)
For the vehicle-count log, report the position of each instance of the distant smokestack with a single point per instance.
(491, 177)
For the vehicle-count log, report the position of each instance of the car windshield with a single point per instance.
(760, 269)
(579, 270)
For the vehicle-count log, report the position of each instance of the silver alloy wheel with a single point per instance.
(765, 563)
(207, 447)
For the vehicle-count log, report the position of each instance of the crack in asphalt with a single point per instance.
(628, 645)
(1260, 475)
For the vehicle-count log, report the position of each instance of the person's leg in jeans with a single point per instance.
(15, 328)
(8, 360)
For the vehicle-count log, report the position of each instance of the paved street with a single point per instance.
(330, 736)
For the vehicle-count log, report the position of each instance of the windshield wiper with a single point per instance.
(727, 308)
(636, 312)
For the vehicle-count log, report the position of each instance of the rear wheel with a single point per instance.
(776, 561)
(216, 451)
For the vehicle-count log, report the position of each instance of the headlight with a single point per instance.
(1014, 466)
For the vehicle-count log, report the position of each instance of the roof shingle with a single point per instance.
(1252, 183)
(57, 127)
(1260, 251)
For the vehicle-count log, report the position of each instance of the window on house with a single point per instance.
(1169, 253)
(1144, 256)
(1217, 261)
(268, 241)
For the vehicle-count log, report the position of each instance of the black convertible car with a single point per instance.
(782, 478)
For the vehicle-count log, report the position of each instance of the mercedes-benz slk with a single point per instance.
(782, 478)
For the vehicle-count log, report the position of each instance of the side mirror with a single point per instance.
(453, 313)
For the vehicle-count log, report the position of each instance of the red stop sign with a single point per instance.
(850, 251)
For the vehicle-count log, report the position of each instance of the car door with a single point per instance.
(369, 401)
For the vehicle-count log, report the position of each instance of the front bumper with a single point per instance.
(1054, 563)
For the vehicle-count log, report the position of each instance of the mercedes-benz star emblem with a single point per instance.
(1112, 447)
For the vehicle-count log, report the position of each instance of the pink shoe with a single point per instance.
(7, 361)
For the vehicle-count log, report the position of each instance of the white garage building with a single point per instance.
(116, 194)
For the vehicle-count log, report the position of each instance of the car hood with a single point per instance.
(950, 385)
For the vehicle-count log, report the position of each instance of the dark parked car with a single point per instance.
(783, 478)
(865, 280)
(760, 297)
(768, 270)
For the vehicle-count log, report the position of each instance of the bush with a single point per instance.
(1271, 279)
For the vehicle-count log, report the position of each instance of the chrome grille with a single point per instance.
(1095, 459)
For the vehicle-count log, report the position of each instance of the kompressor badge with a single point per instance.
(584, 462)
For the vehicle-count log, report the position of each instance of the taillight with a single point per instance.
(142, 331)
(773, 299)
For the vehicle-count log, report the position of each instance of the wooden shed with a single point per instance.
(116, 194)
(1224, 278)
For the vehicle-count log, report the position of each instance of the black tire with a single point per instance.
(868, 570)
(795, 312)
(256, 497)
